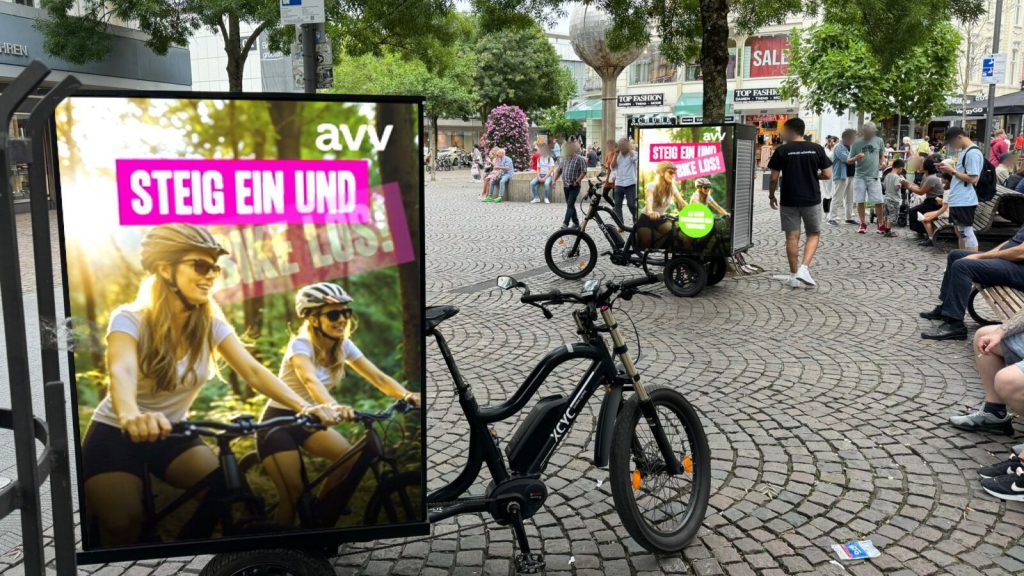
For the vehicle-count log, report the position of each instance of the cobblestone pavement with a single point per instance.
(826, 414)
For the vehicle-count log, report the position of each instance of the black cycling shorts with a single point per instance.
(107, 449)
(281, 438)
(962, 215)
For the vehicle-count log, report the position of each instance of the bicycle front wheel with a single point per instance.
(661, 511)
(570, 254)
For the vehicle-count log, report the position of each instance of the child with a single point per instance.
(892, 188)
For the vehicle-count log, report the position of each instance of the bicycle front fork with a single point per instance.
(647, 407)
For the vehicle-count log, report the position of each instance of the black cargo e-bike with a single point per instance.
(571, 253)
(652, 443)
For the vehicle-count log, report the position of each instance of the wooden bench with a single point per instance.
(985, 216)
(1003, 302)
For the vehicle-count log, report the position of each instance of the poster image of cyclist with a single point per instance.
(244, 282)
(683, 193)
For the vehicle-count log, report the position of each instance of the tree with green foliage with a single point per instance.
(518, 66)
(553, 121)
(449, 92)
(362, 26)
(832, 67)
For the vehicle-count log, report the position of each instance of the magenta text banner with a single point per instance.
(692, 160)
(242, 192)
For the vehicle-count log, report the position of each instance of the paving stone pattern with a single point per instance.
(825, 412)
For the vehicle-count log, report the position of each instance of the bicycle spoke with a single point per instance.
(662, 498)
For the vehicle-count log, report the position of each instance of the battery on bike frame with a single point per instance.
(530, 439)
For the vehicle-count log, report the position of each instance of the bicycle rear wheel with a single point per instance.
(661, 511)
(396, 501)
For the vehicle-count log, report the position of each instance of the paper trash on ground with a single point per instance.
(856, 550)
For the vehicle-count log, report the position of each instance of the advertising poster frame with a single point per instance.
(739, 154)
(320, 540)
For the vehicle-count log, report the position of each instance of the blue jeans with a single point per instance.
(571, 193)
(547, 187)
(500, 181)
(961, 274)
(627, 193)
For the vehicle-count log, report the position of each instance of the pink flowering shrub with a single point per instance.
(508, 128)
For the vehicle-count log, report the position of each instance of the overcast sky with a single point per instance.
(561, 27)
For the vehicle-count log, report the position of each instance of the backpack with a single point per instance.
(1013, 180)
(985, 187)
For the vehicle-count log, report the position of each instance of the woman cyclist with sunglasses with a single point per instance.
(313, 363)
(652, 223)
(160, 353)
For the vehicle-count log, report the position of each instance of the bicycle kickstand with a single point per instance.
(526, 562)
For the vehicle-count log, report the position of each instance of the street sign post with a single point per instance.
(303, 12)
(993, 69)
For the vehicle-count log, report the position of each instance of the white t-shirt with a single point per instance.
(545, 166)
(174, 404)
(288, 375)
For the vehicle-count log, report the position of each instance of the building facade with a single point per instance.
(652, 90)
(131, 65)
(264, 70)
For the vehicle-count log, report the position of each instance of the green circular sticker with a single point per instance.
(696, 220)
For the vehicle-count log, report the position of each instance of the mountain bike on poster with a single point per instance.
(652, 443)
(571, 253)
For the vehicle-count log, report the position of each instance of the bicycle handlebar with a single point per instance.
(627, 288)
(246, 424)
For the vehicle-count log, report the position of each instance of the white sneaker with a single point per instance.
(535, 201)
(804, 275)
(546, 201)
(793, 282)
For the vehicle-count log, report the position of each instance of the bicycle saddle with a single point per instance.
(438, 314)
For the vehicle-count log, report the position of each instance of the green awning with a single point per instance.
(585, 110)
(693, 105)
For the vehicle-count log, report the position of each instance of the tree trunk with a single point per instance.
(89, 292)
(714, 57)
(399, 163)
(433, 147)
(236, 57)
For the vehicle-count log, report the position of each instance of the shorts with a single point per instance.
(892, 209)
(1013, 350)
(282, 438)
(867, 191)
(792, 215)
(107, 449)
(962, 215)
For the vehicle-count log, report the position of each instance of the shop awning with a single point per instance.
(585, 110)
(693, 105)
(1009, 104)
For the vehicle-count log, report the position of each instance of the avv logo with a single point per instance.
(339, 137)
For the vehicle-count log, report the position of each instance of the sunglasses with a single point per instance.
(335, 315)
(203, 267)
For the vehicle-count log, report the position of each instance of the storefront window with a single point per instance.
(651, 68)
(693, 72)
(592, 82)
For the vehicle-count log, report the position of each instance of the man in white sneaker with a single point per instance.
(803, 165)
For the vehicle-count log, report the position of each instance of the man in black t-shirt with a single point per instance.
(803, 164)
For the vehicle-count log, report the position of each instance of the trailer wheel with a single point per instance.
(279, 562)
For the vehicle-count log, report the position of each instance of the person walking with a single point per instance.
(556, 150)
(592, 158)
(572, 170)
(1019, 144)
(963, 200)
(828, 186)
(868, 156)
(842, 180)
(803, 165)
(545, 172)
(625, 166)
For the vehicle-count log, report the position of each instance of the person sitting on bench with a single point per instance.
(1001, 266)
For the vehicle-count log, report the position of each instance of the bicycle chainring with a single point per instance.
(530, 493)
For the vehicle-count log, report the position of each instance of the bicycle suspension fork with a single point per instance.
(647, 407)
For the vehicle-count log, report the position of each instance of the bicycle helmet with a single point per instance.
(314, 296)
(703, 182)
(168, 242)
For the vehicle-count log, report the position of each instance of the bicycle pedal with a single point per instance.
(529, 563)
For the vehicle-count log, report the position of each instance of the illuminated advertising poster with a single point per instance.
(684, 191)
(244, 278)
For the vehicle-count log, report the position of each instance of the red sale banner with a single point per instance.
(768, 56)
(692, 160)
